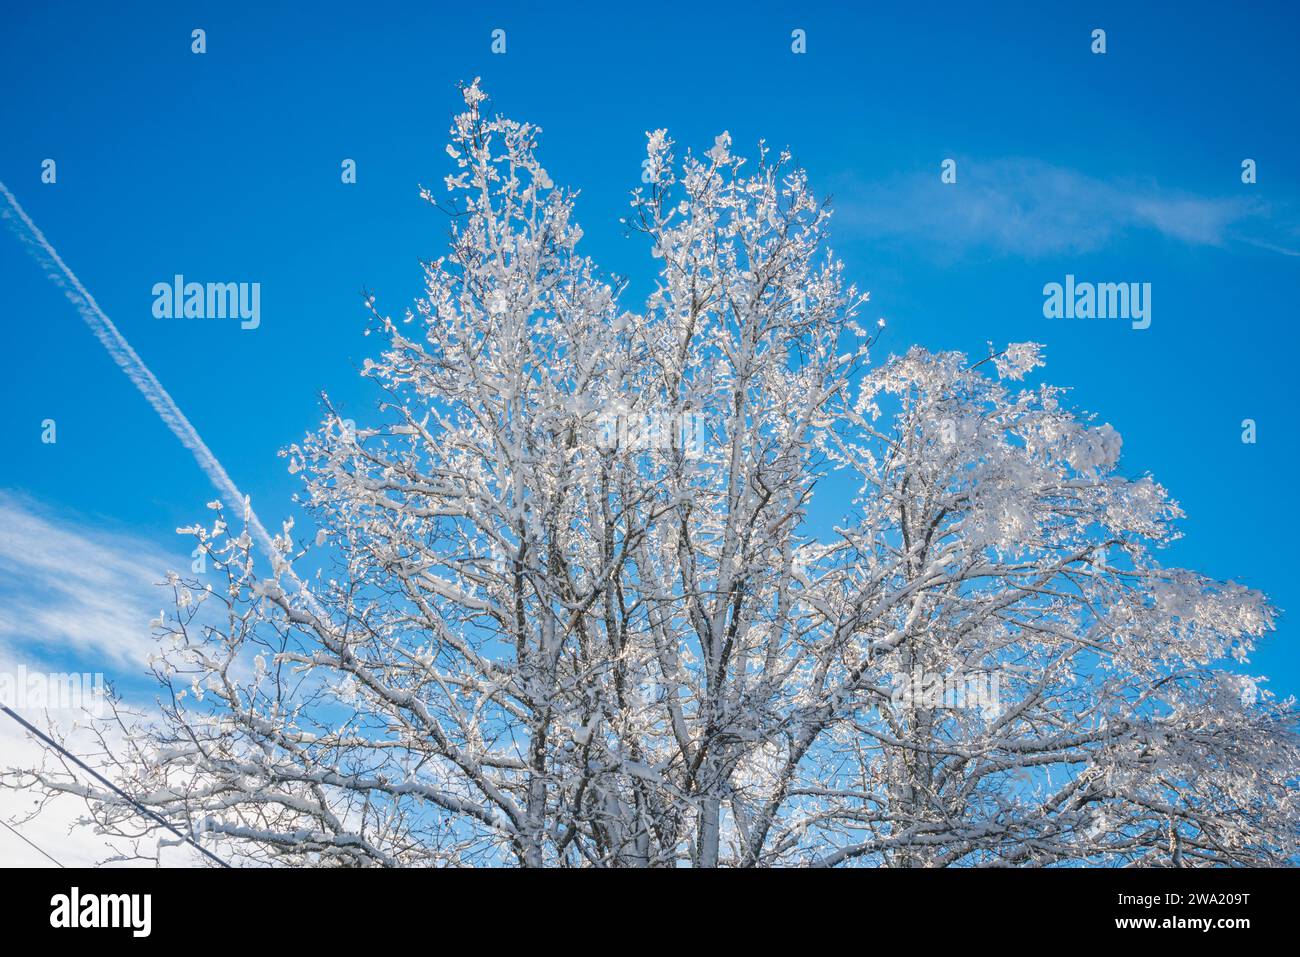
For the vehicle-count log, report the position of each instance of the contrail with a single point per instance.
(121, 352)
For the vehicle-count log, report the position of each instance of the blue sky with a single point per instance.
(225, 167)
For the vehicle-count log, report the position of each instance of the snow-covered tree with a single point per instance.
(696, 583)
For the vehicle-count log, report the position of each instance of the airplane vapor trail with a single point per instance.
(126, 358)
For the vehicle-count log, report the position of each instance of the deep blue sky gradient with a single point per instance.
(225, 167)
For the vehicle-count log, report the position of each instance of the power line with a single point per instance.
(26, 841)
(109, 784)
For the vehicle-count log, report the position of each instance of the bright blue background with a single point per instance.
(225, 167)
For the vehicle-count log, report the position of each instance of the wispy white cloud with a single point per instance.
(83, 598)
(1025, 207)
(70, 590)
